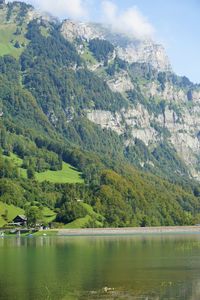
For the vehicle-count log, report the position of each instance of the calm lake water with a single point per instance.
(135, 267)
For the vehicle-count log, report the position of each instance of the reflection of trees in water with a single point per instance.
(152, 268)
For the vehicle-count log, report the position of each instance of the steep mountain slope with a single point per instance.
(126, 48)
(66, 96)
(163, 108)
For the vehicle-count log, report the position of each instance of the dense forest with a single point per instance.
(44, 94)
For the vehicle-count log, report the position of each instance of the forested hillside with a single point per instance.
(53, 156)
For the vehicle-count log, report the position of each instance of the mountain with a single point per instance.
(126, 48)
(95, 117)
(161, 105)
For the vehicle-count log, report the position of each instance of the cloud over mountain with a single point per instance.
(76, 9)
(130, 21)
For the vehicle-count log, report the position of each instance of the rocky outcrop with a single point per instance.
(106, 120)
(121, 82)
(168, 93)
(180, 115)
(184, 134)
(145, 52)
(129, 49)
(73, 30)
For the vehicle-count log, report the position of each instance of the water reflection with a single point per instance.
(147, 267)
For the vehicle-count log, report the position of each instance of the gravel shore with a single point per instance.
(128, 231)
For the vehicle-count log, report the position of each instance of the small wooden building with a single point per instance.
(20, 220)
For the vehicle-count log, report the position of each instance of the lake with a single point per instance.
(124, 267)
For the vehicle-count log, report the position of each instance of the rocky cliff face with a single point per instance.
(145, 52)
(128, 49)
(158, 110)
(177, 121)
(72, 30)
(120, 82)
(183, 131)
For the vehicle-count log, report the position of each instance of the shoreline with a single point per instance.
(127, 231)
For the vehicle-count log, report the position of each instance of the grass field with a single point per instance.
(79, 223)
(88, 57)
(15, 159)
(67, 175)
(45, 232)
(90, 211)
(49, 215)
(13, 211)
(83, 222)
(8, 40)
(18, 162)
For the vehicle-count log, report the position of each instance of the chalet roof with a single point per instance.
(22, 217)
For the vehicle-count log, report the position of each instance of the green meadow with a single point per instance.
(91, 216)
(68, 174)
(8, 40)
(12, 212)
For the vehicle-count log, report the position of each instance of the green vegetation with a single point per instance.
(101, 49)
(44, 31)
(8, 213)
(9, 40)
(18, 162)
(45, 233)
(88, 57)
(67, 175)
(79, 223)
(48, 214)
(52, 156)
(92, 219)
(43, 62)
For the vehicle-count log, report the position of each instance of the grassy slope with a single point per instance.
(88, 56)
(18, 162)
(13, 211)
(8, 40)
(67, 175)
(79, 223)
(49, 215)
(83, 222)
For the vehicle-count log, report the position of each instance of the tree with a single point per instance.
(34, 216)
(17, 45)
(30, 173)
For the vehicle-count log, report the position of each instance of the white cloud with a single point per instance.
(130, 21)
(75, 9)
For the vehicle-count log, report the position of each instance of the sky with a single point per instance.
(174, 23)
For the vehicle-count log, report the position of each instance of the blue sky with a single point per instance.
(174, 23)
(177, 26)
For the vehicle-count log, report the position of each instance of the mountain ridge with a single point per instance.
(60, 103)
(146, 78)
(128, 48)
